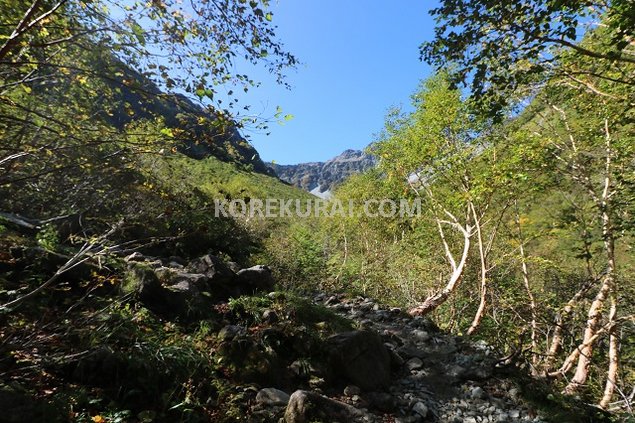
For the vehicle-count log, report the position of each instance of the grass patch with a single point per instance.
(291, 307)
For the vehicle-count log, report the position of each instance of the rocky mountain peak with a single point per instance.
(320, 178)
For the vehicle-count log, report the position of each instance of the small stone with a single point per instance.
(477, 393)
(420, 335)
(421, 409)
(270, 316)
(414, 364)
(272, 396)
(352, 390)
(233, 266)
(514, 414)
(456, 371)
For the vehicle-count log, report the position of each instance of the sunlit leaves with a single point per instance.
(502, 49)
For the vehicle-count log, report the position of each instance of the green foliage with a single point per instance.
(48, 238)
(296, 252)
(292, 308)
(499, 49)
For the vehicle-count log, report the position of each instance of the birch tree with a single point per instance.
(433, 151)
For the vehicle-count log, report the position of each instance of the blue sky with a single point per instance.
(359, 58)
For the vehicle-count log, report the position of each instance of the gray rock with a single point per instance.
(187, 300)
(456, 371)
(272, 396)
(270, 316)
(306, 406)
(420, 335)
(233, 266)
(477, 392)
(421, 409)
(143, 284)
(351, 390)
(361, 358)
(414, 364)
(171, 276)
(214, 268)
(255, 279)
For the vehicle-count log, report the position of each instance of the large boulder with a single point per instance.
(306, 406)
(215, 269)
(170, 277)
(255, 279)
(184, 295)
(272, 396)
(361, 358)
(143, 284)
(221, 279)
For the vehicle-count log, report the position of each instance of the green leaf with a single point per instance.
(138, 32)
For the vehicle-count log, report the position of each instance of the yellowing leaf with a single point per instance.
(98, 419)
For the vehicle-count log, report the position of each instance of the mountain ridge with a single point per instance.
(320, 178)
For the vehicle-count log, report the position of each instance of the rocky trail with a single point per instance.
(381, 365)
(404, 370)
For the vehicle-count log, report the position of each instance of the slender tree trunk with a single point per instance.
(608, 284)
(530, 295)
(556, 339)
(432, 302)
(480, 312)
(595, 312)
(611, 377)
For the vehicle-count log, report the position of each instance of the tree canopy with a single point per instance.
(501, 49)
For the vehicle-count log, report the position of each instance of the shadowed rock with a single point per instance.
(361, 358)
